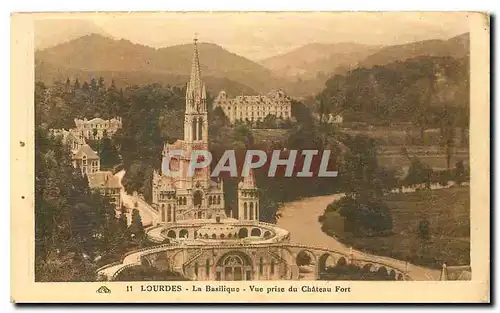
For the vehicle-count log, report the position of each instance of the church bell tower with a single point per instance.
(196, 116)
(248, 198)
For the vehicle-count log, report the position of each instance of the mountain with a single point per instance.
(95, 55)
(49, 32)
(456, 47)
(316, 60)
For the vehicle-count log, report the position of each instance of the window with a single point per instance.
(251, 211)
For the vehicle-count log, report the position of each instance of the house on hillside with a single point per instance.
(87, 160)
(70, 138)
(108, 185)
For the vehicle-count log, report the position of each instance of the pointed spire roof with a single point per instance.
(195, 87)
(248, 181)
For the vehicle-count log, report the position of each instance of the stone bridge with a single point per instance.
(239, 261)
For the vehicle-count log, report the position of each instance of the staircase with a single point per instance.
(192, 258)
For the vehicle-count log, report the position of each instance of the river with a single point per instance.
(301, 219)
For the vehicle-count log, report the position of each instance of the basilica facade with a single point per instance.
(192, 197)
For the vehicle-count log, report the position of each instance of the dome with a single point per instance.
(217, 231)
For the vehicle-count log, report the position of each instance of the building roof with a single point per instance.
(87, 151)
(103, 179)
(273, 98)
(248, 181)
(195, 88)
(97, 120)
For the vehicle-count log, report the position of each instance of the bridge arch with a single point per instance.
(305, 257)
(243, 233)
(342, 261)
(171, 234)
(183, 233)
(382, 271)
(325, 261)
(392, 275)
(256, 232)
(367, 268)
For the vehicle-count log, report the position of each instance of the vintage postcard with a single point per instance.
(250, 157)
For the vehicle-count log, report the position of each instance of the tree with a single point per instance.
(423, 230)
(136, 226)
(363, 181)
(73, 224)
(85, 86)
(77, 84)
(418, 173)
(108, 153)
(93, 84)
(100, 84)
(460, 173)
(270, 121)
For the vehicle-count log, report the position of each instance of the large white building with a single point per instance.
(97, 127)
(255, 108)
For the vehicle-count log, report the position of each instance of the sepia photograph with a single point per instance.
(194, 150)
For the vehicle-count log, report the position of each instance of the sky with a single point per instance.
(255, 35)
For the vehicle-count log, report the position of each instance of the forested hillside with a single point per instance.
(423, 91)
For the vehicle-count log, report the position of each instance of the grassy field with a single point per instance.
(269, 135)
(436, 162)
(448, 212)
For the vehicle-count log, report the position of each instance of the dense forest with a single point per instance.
(425, 91)
(76, 229)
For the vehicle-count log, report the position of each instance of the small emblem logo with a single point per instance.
(103, 289)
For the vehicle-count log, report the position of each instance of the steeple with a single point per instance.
(195, 91)
(248, 198)
(196, 116)
(248, 181)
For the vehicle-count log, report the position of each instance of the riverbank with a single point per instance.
(300, 218)
(430, 227)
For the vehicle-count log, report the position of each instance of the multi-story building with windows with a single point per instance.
(87, 160)
(96, 128)
(255, 108)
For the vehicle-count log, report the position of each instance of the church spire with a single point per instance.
(195, 91)
(248, 181)
(196, 116)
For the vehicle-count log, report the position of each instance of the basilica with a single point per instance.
(188, 197)
(193, 236)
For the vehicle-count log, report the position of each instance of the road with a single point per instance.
(300, 218)
(132, 202)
